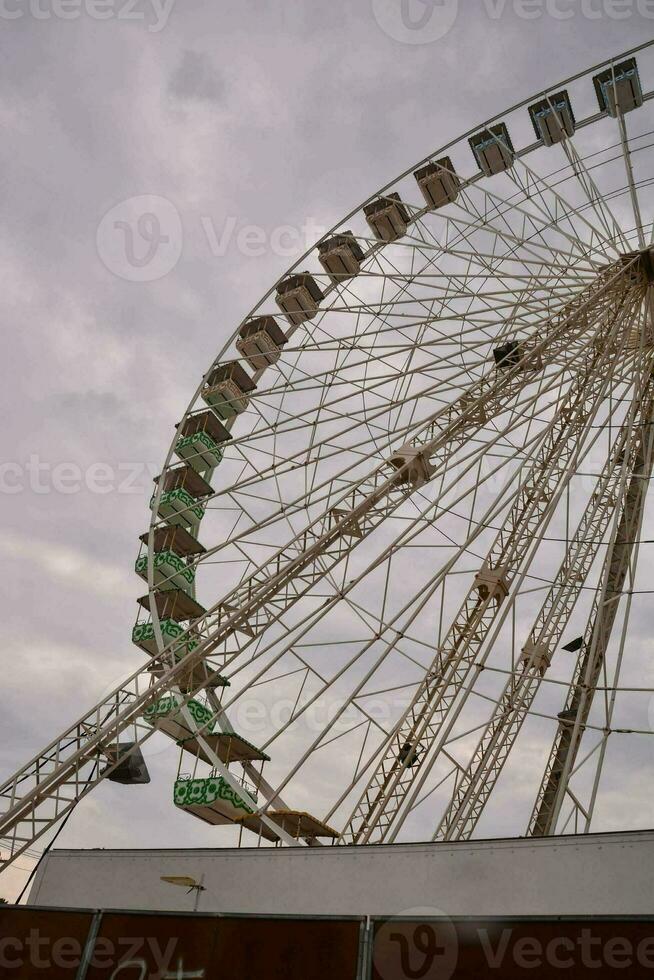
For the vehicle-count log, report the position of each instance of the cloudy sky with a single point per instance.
(258, 122)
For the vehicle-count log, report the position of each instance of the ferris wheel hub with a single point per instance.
(641, 265)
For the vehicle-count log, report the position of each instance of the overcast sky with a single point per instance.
(239, 113)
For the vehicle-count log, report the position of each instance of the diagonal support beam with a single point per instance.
(592, 654)
(478, 779)
(407, 749)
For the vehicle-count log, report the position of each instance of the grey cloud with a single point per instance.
(196, 78)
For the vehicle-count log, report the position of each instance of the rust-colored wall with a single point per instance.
(48, 943)
(510, 949)
(287, 949)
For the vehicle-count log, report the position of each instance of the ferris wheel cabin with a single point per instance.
(299, 296)
(439, 183)
(619, 89)
(226, 390)
(387, 218)
(340, 256)
(493, 150)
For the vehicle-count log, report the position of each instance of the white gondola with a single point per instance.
(299, 297)
(166, 716)
(201, 439)
(178, 507)
(387, 217)
(260, 342)
(619, 88)
(174, 548)
(439, 183)
(169, 571)
(212, 800)
(182, 495)
(227, 389)
(493, 150)
(143, 636)
(341, 256)
(200, 738)
(553, 118)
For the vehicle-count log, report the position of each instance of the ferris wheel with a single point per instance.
(394, 544)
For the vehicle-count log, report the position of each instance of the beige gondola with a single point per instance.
(493, 149)
(553, 118)
(341, 256)
(387, 217)
(299, 297)
(439, 183)
(260, 341)
(229, 747)
(227, 389)
(619, 89)
(182, 492)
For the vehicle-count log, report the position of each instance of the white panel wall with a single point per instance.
(594, 875)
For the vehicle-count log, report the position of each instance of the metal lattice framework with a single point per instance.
(419, 463)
